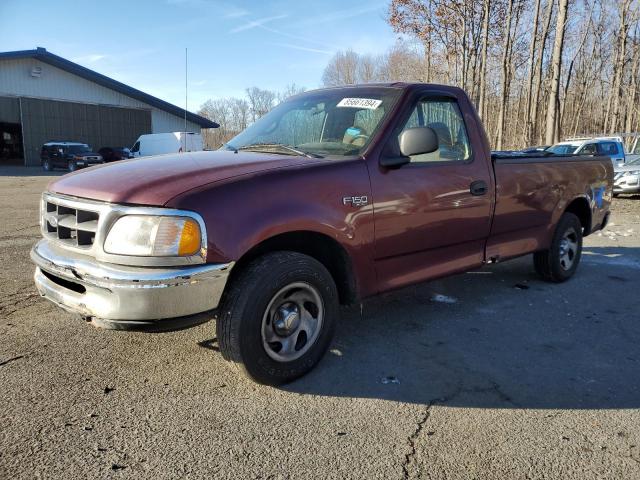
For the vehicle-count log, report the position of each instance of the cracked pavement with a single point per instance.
(491, 374)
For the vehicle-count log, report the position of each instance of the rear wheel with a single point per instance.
(561, 260)
(277, 319)
(71, 166)
(46, 166)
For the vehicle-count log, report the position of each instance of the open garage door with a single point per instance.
(97, 125)
(10, 132)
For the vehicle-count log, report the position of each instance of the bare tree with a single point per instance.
(552, 131)
(289, 91)
(533, 121)
(342, 69)
(504, 91)
(532, 54)
(260, 101)
(613, 109)
(482, 99)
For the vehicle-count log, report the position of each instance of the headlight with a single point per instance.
(155, 236)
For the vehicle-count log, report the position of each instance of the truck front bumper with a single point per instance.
(124, 295)
(627, 184)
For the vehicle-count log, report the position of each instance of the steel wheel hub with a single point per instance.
(287, 319)
(568, 249)
(292, 322)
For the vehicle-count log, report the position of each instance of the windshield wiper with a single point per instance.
(230, 147)
(282, 146)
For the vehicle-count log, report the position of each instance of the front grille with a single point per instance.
(70, 226)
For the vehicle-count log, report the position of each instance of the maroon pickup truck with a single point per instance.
(334, 196)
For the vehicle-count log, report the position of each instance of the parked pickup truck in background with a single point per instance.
(334, 196)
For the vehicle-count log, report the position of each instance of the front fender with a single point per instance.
(243, 212)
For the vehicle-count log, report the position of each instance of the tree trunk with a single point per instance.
(633, 85)
(616, 91)
(537, 83)
(482, 103)
(532, 53)
(552, 134)
(504, 90)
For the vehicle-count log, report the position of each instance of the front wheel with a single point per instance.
(46, 166)
(561, 260)
(277, 319)
(72, 166)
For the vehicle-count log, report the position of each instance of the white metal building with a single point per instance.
(44, 97)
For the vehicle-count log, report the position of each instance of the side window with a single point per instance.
(588, 149)
(444, 117)
(136, 147)
(608, 148)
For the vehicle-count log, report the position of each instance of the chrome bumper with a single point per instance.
(133, 295)
(627, 184)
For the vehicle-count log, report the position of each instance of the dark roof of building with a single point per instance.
(64, 64)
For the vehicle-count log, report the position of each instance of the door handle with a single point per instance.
(479, 187)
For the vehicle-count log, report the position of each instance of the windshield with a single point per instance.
(563, 149)
(78, 148)
(325, 123)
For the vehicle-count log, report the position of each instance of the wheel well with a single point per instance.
(580, 208)
(323, 248)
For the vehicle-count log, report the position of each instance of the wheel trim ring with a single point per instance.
(311, 340)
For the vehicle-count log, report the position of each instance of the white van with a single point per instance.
(161, 143)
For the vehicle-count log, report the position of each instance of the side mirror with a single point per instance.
(418, 140)
(413, 141)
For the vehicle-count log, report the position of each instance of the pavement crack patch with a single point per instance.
(11, 360)
(408, 458)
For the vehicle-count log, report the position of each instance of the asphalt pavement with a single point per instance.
(491, 374)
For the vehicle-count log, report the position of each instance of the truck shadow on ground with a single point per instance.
(507, 340)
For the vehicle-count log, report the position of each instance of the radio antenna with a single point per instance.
(184, 134)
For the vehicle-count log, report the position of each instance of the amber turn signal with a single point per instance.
(190, 238)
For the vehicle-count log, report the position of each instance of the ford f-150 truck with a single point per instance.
(335, 195)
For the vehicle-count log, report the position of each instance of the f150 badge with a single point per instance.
(359, 201)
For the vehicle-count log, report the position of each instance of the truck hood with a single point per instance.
(156, 180)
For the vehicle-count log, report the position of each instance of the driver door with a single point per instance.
(430, 219)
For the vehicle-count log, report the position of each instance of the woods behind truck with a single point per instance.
(334, 196)
(163, 143)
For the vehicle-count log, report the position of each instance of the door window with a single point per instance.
(608, 148)
(588, 149)
(444, 117)
(136, 147)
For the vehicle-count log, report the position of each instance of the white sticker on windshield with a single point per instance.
(368, 103)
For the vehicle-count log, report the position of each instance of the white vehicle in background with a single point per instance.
(626, 178)
(611, 147)
(161, 143)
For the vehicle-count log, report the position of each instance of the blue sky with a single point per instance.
(232, 45)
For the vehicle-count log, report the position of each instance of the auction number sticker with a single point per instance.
(368, 103)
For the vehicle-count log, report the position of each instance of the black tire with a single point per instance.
(560, 261)
(71, 166)
(616, 195)
(46, 166)
(243, 316)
